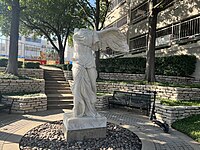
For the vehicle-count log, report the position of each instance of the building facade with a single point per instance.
(178, 27)
(30, 49)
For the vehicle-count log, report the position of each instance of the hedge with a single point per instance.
(181, 65)
(32, 65)
(4, 63)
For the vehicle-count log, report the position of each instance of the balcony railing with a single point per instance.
(122, 21)
(180, 33)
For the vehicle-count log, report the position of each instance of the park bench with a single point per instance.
(5, 105)
(141, 101)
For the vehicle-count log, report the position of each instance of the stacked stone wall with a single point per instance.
(34, 73)
(174, 93)
(170, 114)
(27, 104)
(139, 77)
(22, 86)
(102, 102)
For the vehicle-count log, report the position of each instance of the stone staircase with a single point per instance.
(57, 89)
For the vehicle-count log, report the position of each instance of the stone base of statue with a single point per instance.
(78, 129)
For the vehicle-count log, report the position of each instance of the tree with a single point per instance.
(95, 16)
(155, 6)
(55, 20)
(14, 5)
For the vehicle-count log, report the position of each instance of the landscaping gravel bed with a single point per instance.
(49, 136)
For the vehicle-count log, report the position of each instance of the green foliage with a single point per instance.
(182, 65)
(13, 77)
(168, 102)
(4, 63)
(20, 64)
(123, 65)
(30, 94)
(94, 15)
(56, 24)
(142, 82)
(189, 126)
(67, 67)
(33, 65)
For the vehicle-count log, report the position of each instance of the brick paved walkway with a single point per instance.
(13, 127)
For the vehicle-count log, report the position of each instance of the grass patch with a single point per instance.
(8, 76)
(103, 94)
(168, 102)
(152, 83)
(189, 126)
(31, 94)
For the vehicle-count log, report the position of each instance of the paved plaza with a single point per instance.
(13, 127)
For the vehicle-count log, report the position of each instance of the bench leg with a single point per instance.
(9, 112)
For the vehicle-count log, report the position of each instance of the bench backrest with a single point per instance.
(129, 98)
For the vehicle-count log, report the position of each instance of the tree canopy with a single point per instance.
(55, 20)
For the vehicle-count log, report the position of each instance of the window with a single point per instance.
(183, 32)
(115, 3)
(32, 52)
(28, 39)
(122, 21)
(138, 42)
(139, 13)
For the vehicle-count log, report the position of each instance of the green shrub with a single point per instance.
(123, 65)
(63, 66)
(182, 65)
(20, 64)
(32, 65)
(67, 67)
(3, 62)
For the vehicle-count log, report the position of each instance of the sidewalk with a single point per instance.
(13, 127)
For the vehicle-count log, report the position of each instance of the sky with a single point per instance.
(92, 2)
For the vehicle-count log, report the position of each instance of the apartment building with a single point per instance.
(178, 27)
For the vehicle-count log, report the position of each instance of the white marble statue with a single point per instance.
(86, 42)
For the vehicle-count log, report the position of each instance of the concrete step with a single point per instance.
(54, 76)
(53, 91)
(57, 85)
(60, 101)
(57, 88)
(53, 82)
(59, 96)
(55, 79)
(53, 73)
(60, 106)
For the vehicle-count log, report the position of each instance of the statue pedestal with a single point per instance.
(77, 129)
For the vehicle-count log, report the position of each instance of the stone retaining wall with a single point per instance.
(174, 93)
(102, 102)
(19, 86)
(27, 104)
(159, 78)
(34, 73)
(68, 75)
(172, 113)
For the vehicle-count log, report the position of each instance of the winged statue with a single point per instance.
(86, 42)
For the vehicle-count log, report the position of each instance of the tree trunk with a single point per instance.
(97, 53)
(61, 55)
(14, 35)
(150, 63)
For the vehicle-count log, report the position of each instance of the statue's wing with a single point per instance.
(113, 39)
